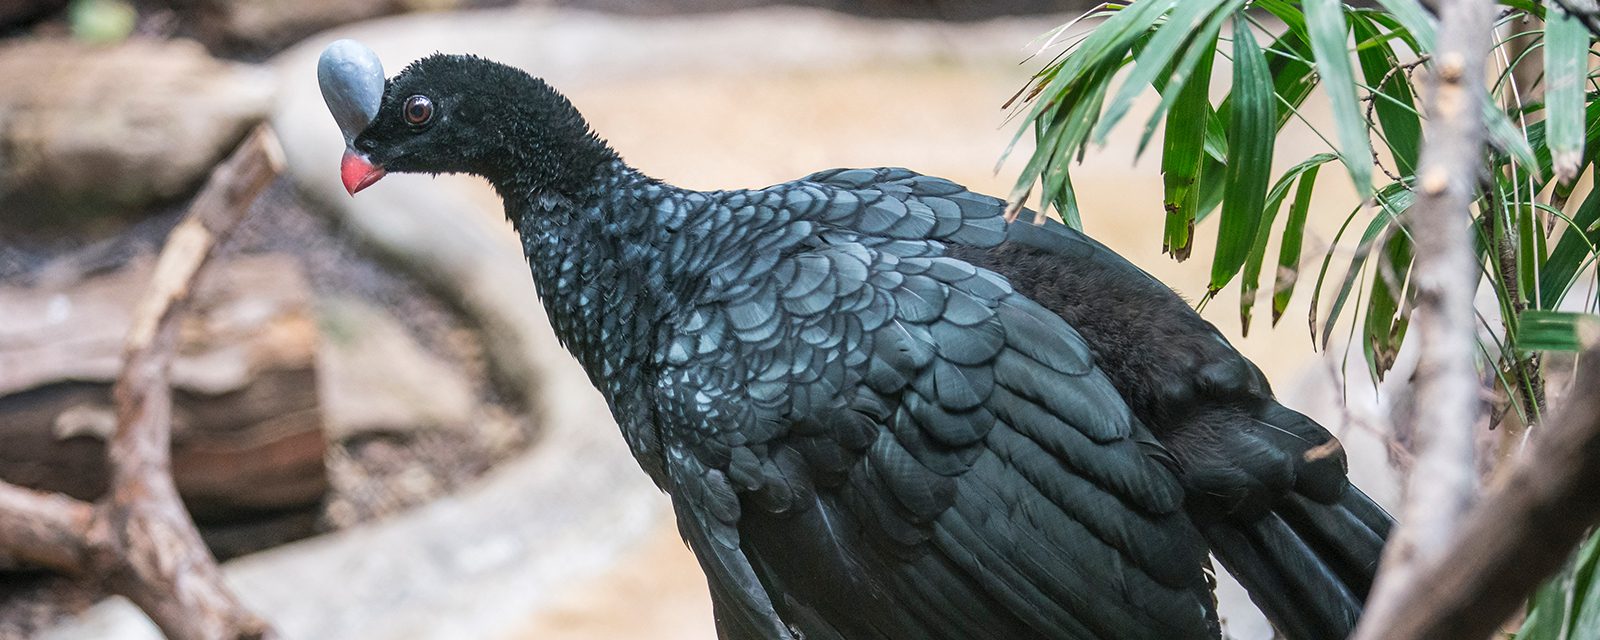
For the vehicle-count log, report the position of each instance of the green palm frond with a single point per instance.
(1538, 233)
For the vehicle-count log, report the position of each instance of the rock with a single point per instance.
(252, 25)
(476, 564)
(247, 442)
(377, 379)
(87, 132)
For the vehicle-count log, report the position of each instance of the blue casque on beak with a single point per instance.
(351, 78)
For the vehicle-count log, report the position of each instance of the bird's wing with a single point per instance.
(1266, 485)
(708, 512)
(899, 203)
(1011, 454)
(1238, 462)
(1243, 466)
(964, 427)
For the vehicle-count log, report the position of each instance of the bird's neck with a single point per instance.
(539, 142)
(599, 263)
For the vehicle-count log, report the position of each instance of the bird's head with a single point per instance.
(450, 114)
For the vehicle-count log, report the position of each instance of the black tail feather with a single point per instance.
(1308, 565)
(1344, 535)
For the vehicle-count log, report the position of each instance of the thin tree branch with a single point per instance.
(139, 539)
(1441, 485)
(1527, 384)
(1521, 534)
(46, 529)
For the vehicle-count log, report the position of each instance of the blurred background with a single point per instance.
(374, 426)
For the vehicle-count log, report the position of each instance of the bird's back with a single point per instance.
(913, 448)
(1266, 485)
(951, 427)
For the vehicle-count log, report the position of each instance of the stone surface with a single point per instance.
(89, 131)
(376, 378)
(957, 10)
(252, 25)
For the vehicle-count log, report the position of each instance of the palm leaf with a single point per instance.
(1566, 65)
(1251, 136)
(1393, 201)
(1183, 150)
(1387, 318)
(1539, 330)
(1155, 60)
(1249, 281)
(1325, 20)
(1576, 246)
(1294, 229)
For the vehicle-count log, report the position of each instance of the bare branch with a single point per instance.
(45, 529)
(1441, 485)
(1522, 532)
(139, 538)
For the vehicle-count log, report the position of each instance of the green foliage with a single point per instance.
(1329, 31)
(1534, 249)
(102, 21)
(1539, 330)
(1537, 243)
(1568, 606)
(1250, 135)
(1304, 174)
(1566, 67)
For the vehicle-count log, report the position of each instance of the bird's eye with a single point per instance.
(418, 110)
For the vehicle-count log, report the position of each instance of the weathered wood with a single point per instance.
(49, 530)
(138, 540)
(248, 437)
(1442, 483)
(1520, 534)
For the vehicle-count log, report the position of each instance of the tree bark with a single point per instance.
(44, 529)
(139, 539)
(248, 441)
(1442, 483)
(1520, 535)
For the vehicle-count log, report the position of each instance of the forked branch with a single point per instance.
(138, 540)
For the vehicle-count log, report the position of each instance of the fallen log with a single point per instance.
(138, 540)
(248, 438)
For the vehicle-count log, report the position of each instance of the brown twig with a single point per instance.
(1372, 100)
(138, 539)
(1519, 535)
(45, 529)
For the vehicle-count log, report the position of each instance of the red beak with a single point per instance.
(358, 172)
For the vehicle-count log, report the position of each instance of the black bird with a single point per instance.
(880, 410)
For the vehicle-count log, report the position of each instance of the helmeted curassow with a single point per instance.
(882, 411)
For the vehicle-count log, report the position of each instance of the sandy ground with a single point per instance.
(938, 117)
